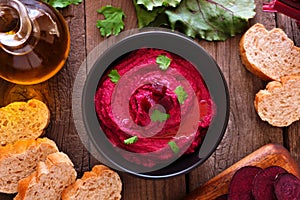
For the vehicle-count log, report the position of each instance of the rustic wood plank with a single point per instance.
(292, 132)
(245, 131)
(93, 34)
(139, 188)
(57, 93)
(134, 188)
(62, 129)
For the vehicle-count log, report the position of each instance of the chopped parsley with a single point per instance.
(174, 147)
(131, 140)
(163, 62)
(159, 116)
(113, 23)
(114, 76)
(181, 94)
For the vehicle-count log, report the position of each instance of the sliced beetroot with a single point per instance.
(263, 188)
(240, 187)
(222, 197)
(287, 187)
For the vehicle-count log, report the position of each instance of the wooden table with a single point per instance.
(245, 132)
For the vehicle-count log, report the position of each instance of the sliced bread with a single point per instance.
(279, 103)
(49, 180)
(20, 159)
(100, 183)
(23, 120)
(269, 54)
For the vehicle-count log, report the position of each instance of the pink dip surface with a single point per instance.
(124, 108)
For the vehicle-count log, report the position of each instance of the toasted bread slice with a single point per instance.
(279, 103)
(23, 120)
(20, 159)
(49, 180)
(269, 54)
(100, 183)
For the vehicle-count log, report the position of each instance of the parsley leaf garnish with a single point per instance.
(62, 3)
(181, 94)
(131, 140)
(159, 116)
(163, 62)
(114, 76)
(173, 146)
(113, 22)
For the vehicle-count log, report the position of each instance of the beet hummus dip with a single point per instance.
(154, 105)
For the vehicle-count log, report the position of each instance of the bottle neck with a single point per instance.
(16, 25)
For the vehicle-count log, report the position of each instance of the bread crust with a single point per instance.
(275, 93)
(23, 120)
(271, 39)
(251, 66)
(20, 159)
(98, 172)
(45, 171)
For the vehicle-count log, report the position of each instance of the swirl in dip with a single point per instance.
(153, 111)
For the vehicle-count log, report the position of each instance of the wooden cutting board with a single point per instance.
(268, 155)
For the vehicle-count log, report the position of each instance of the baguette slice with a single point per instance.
(49, 180)
(23, 120)
(20, 159)
(100, 183)
(279, 103)
(269, 54)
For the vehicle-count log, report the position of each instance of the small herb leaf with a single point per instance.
(113, 22)
(181, 94)
(159, 116)
(114, 76)
(131, 140)
(173, 146)
(163, 62)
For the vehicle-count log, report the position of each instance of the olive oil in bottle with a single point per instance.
(34, 41)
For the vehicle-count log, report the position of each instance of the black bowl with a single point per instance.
(186, 48)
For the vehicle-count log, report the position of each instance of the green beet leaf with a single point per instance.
(62, 3)
(212, 19)
(144, 16)
(206, 19)
(150, 4)
(113, 23)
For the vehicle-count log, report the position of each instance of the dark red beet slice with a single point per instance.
(240, 187)
(287, 187)
(222, 197)
(263, 188)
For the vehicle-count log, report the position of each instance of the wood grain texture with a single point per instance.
(292, 136)
(62, 130)
(245, 132)
(266, 156)
(133, 188)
